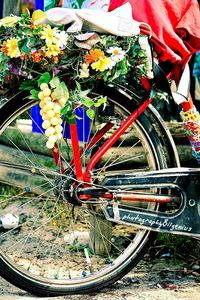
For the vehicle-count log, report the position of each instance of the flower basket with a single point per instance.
(63, 69)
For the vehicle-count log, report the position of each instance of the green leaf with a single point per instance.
(90, 113)
(34, 94)
(61, 90)
(97, 104)
(87, 102)
(116, 74)
(32, 40)
(26, 15)
(22, 44)
(37, 30)
(4, 68)
(123, 67)
(78, 86)
(45, 78)
(55, 82)
(67, 108)
(70, 117)
(100, 101)
(27, 85)
(84, 93)
(3, 56)
(25, 49)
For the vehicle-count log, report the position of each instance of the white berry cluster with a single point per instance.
(50, 110)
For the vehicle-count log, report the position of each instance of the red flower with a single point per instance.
(4, 47)
(36, 56)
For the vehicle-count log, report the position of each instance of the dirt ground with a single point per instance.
(163, 278)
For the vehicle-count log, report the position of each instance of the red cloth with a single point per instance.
(176, 25)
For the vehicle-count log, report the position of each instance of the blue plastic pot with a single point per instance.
(83, 124)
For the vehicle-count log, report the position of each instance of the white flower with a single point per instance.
(111, 64)
(30, 76)
(117, 54)
(84, 71)
(61, 38)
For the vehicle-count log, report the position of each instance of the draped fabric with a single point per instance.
(175, 25)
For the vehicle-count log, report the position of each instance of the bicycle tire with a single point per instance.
(26, 272)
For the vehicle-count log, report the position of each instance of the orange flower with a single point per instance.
(94, 55)
(36, 56)
(24, 56)
(4, 47)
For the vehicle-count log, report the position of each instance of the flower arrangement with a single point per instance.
(63, 68)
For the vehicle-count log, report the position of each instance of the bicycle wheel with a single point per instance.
(48, 245)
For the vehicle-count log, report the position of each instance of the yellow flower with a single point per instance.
(101, 65)
(94, 55)
(12, 48)
(10, 21)
(38, 17)
(52, 50)
(48, 34)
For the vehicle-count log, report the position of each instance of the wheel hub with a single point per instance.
(65, 189)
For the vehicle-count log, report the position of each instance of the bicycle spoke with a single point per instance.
(58, 239)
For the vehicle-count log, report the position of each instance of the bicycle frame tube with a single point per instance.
(86, 176)
(94, 140)
(76, 151)
(108, 144)
(116, 135)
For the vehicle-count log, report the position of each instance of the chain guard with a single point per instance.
(185, 220)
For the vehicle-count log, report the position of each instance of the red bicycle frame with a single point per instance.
(86, 176)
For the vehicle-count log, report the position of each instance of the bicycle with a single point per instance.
(85, 215)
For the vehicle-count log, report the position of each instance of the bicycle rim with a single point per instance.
(54, 247)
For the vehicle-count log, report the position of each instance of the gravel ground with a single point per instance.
(162, 279)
